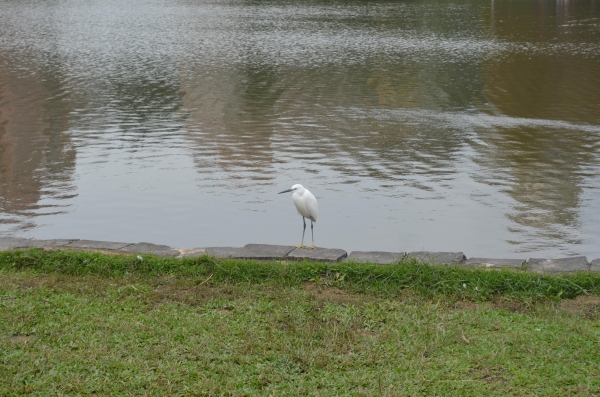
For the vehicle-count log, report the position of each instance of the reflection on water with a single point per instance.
(468, 126)
(36, 155)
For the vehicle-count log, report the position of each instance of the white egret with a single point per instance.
(306, 205)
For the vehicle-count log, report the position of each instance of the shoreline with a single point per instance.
(283, 252)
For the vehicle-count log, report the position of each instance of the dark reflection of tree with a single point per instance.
(365, 122)
(36, 157)
(547, 164)
(233, 111)
(559, 78)
(248, 117)
(361, 121)
(545, 171)
(147, 93)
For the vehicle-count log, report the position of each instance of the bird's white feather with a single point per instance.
(305, 202)
(312, 206)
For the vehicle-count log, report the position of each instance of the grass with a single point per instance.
(74, 323)
(430, 281)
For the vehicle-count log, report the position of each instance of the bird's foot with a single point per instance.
(301, 246)
(312, 247)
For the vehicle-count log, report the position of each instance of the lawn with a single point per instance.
(83, 323)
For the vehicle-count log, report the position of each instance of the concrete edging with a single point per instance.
(285, 252)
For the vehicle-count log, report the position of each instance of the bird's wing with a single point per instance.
(312, 207)
(300, 205)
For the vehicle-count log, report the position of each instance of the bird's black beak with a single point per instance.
(285, 191)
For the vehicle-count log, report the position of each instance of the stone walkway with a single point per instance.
(284, 252)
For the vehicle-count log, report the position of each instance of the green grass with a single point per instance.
(431, 281)
(74, 323)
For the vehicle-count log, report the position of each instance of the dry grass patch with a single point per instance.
(587, 305)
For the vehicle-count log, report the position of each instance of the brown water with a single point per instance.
(419, 125)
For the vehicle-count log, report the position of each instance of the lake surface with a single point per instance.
(418, 125)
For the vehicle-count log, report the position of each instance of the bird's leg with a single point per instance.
(303, 230)
(312, 247)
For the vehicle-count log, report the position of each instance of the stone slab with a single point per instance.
(11, 243)
(595, 265)
(574, 264)
(223, 252)
(97, 245)
(379, 257)
(52, 243)
(252, 251)
(149, 248)
(445, 258)
(265, 251)
(495, 263)
(319, 254)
